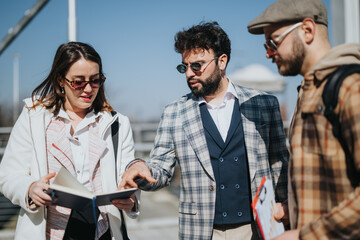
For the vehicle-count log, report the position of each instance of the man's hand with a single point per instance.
(282, 213)
(124, 204)
(37, 191)
(138, 169)
(288, 235)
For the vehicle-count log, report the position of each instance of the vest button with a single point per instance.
(237, 186)
(239, 214)
(221, 159)
(236, 159)
(320, 108)
(212, 188)
(222, 186)
(224, 214)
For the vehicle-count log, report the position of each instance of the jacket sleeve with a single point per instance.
(343, 221)
(278, 153)
(15, 177)
(127, 150)
(126, 145)
(162, 158)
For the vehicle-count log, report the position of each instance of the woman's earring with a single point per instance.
(62, 90)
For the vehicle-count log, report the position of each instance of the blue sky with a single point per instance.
(136, 42)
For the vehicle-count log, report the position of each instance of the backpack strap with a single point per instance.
(115, 140)
(330, 99)
(115, 136)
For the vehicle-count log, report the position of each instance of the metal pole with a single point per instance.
(28, 16)
(72, 21)
(352, 26)
(16, 87)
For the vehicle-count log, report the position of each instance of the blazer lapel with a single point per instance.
(194, 131)
(60, 145)
(97, 147)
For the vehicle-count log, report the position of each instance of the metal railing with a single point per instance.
(8, 211)
(144, 135)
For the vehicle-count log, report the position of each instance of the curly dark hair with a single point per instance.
(206, 35)
(48, 93)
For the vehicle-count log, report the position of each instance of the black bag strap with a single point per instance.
(330, 97)
(123, 227)
(115, 140)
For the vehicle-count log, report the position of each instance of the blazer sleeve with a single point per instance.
(127, 150)
(162, 158)
(278, 152)
(125, 144)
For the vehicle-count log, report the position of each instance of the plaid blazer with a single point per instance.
(181, 139)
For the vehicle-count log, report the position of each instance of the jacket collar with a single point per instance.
(39, 120)
(193, 127)
(340, 55)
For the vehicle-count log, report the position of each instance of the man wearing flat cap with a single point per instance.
(324, 200)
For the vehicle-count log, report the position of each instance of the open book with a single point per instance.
(66, 191)
(264, 206)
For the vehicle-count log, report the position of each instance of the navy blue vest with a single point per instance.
(229, 163)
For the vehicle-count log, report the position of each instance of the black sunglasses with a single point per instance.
(195, 67)
(81, 84)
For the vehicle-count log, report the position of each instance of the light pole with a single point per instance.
(352, 25)
(16, 87)
(72, 21)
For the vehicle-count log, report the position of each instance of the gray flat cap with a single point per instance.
(289, 11)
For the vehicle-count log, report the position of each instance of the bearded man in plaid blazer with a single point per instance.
(224, 137)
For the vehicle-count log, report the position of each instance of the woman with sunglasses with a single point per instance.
(67, 123)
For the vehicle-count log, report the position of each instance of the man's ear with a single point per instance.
(309, 28)
(222, 61)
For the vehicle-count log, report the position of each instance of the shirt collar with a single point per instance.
(230, 93)
(90, 118)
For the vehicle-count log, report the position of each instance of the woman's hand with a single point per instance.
(37, 191)
(124, 204)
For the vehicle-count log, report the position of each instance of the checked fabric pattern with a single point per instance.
(181, 139)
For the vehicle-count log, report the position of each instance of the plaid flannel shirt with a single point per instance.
(322, 202)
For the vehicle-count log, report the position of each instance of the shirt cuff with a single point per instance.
(30, 203)
(133, 162)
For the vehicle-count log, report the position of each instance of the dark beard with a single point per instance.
(294, 64)
(209, 85)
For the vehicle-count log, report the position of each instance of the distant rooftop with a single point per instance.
(259, 77)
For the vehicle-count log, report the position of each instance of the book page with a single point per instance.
(65, 181)
(264, 206)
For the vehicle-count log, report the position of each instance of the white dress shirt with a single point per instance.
(79, 143)
(222, 114)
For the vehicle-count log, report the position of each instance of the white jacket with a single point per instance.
(25, 161)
